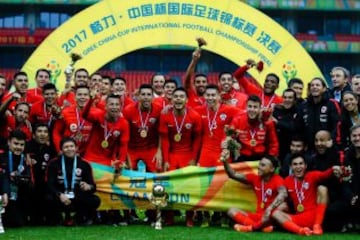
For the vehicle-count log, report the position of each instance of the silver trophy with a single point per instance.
(159, 199)
(2, 210)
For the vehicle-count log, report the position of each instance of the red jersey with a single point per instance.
(72, 124)
(258, 138)
(30, 99)
(235, 98)
(40, 114)
(11, 124)
(149, 122)
(125, 101)
(265, 192)
(187, 126)
(305, 191)
(194, 100)
(68, 99)
(213, 133)
(267, 101)
(116, 135)
(35, 92)
(161, 101)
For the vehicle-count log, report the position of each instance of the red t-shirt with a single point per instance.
(40, 114)
(194, 100)
(264, 134)
(115, 133)
(72, 124)
(161, 101)
(211, 139)
(149, 121)
(190, 132)
(306, 189)
(265, 192)
(30, 99)
(235, 98)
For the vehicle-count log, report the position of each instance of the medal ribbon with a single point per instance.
(263, 197)
(65, 176)
(79, 122)
(11, 162)
(107, 133)
(46, 115)
(144, 123)
(299, 194)
(263, 100)
(212, 123)
(252, 134)
(178, 128)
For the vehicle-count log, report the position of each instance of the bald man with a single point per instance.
(325, 156)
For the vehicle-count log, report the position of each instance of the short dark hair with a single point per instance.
(112, 80)
(223, 73)
(145, 86)
(297, 138)
(274, 161)
(290, 90)
(180, 89)
(65, 140)
(18, 134)
(42, 70)
(168, 81)
(22, 103)
(254, 98)
(112, 96)
(49, 86)
(294, 81)
(323, 83)
(200, 75)
(21, 73)
(83, 86)
(154, 75)
(297, 155)
(212, 86)
(39, 125)
(273, 75)
(81, 70)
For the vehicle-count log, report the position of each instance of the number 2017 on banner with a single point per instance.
(72, 42)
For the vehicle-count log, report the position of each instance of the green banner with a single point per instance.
(192, 188)
(331, 47)
(333, 5)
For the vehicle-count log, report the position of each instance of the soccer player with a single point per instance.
(180, 132)
(195, 90)
(72, 186)
(81, 78)
(42, 77)
(108, 141)
(229, 95)
(144, 142)
(47, 110)
(302, 189)
(72, 124)
(270, 193)
(257, 137)
(267, 95)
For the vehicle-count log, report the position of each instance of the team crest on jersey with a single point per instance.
(268, 192)
(306, 185)
(188, 125)
(152, 120)
(233, 101)
(116, 133)
(46, 157)
(73, 127)
(78, 172)
(323, 109)
(223, 117)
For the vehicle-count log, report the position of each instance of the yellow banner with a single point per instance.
(192, 188)
(233, 30)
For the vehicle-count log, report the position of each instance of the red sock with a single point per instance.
(242, 219)
(320, 212)
(291, 226)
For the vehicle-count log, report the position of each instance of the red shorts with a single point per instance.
(147, 156)
(304, 219)
(179, 160)
(256, 217)
(210, 159)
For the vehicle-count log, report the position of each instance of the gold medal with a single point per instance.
(300, 207)
(253, 142)
(177, 137)
(262, 206)
(143, 133)
(104, 144)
